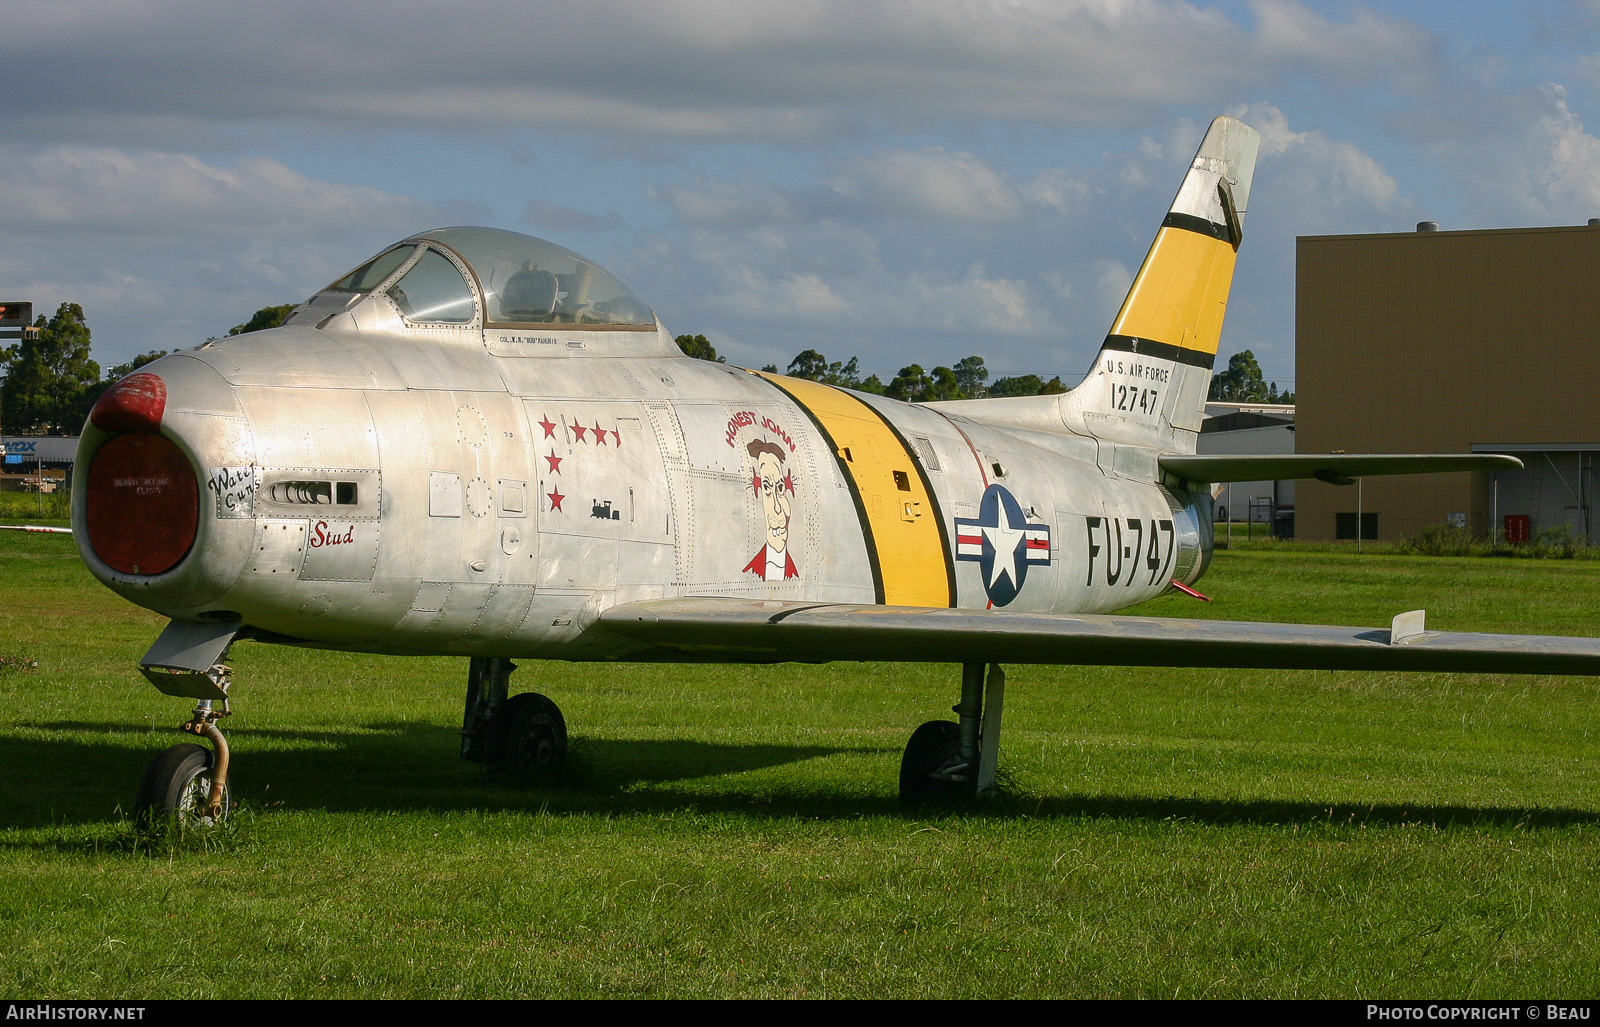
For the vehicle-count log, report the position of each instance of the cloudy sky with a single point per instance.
(889, 179)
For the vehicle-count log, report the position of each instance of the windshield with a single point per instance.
(371, 274)
(530, 281)
(433, 291)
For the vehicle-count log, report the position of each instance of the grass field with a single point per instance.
(734, 831)
(35, 507)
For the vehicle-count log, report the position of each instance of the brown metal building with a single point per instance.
(1451, 342)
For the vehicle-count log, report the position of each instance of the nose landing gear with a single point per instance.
(187, 784)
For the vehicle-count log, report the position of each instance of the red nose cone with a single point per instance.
(134, 404)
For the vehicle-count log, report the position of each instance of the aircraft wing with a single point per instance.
(1335, 468)
(762, 631)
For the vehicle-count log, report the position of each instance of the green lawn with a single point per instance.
(734, 830)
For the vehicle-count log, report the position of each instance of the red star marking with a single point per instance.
(788, 482)
(548, 425)
(599, 434)
(755, 482)
(554, 462)
(617, 436)
(580, 431)
(555, 499)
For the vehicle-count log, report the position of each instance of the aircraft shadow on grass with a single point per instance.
(406, 766)
(375, 766)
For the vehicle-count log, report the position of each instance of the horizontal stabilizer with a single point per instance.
(749, 630)
(1335, 468)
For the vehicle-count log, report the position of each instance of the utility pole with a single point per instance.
(1494, 512)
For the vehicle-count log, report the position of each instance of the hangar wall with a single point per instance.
(1450, 342)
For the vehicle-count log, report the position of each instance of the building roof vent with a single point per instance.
(1427, 226)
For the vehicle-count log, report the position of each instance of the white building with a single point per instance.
(1252, 429)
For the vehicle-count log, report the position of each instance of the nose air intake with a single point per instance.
(143, 500)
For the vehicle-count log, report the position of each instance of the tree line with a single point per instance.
(51, 382)
(1242, 382)
(913, 384)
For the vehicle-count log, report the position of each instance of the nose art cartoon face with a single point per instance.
(773, 486)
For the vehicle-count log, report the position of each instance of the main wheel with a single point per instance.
(930, 747)
(529, 735)
(176, 789)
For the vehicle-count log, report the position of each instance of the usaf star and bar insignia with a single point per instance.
(1003, 543)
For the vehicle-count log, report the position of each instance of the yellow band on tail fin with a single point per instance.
(1176, 304)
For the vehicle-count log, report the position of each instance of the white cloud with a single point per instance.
(554, 216)
(1112, 281)
(684, 69)
(709, 202)
(1058, 190)
(163, 250)
(80, 190)
(934, 185)
(744, 353)
(1315, 180)
(1560, 170)
(926, 185)
(1369, 47)
(830, 275)
(1518, 158)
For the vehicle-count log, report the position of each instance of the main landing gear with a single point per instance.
(946, 762)
(523, 734)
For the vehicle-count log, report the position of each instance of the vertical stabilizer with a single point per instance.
(1150, 380)
(1148, 384)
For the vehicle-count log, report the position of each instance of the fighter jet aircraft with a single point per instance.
(480, 443)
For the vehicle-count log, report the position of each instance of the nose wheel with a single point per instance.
(177, 790)
(187, 785)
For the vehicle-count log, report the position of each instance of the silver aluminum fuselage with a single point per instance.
(375, 486)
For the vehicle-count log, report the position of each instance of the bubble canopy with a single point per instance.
(523, 281)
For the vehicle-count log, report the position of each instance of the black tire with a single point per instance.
(176, 788)
(529, 735)
(930, 745)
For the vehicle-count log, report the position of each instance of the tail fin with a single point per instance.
(1148, 385)
(1150, 380)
